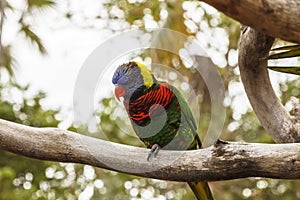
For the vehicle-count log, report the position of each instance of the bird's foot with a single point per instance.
(153, 151)
(219, 142)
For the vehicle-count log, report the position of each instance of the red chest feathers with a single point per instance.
(150, 103)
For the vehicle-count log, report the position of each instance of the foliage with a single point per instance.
(289, 51)
(290, 70)
(7, 60)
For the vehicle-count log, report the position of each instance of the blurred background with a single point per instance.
(43, 45)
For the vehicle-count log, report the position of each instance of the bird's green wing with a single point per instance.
(200, 189)
(187, 115)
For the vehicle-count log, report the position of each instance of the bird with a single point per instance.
(159, 114)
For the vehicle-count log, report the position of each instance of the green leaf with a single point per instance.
(284, 48)
(288, 52)
(40, 4)
(290, 70)
(292, 51)
(33, 38)
(7, 60)
(8, 6)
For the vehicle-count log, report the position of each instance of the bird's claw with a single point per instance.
(153, 151)
(219, 142)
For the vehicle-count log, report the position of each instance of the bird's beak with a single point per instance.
(119, 92)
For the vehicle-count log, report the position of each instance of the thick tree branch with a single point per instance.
(220, 162)
(277, 18)
(253, 49)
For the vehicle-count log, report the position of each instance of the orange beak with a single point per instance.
(119, 92)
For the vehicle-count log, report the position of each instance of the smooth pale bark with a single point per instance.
(253, 51)
(220, 162)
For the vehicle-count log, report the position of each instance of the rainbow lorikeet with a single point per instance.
(159, 114)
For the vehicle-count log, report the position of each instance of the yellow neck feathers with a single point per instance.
(147, 76)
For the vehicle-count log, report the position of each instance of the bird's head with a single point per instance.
(129, 77)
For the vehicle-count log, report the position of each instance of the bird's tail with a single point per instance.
(201, 190)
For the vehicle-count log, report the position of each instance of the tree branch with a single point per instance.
(220, 162)
(253, 50)
(277, 18)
